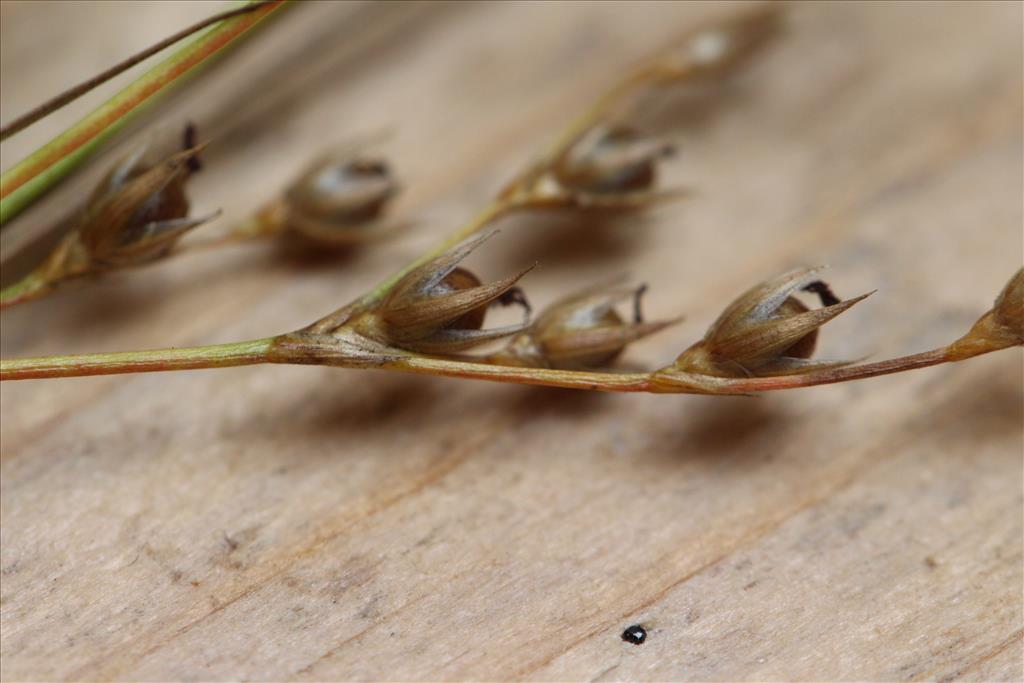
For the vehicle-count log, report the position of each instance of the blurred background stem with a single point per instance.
(47, 166)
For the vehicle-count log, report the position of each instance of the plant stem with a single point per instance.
(158, 360)
(849, 372)
(32, 286)
(566, 379)
(72, 94)
(44, 168)
(748, 385)
(278, 350)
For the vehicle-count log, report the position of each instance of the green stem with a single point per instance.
(32, 286)
(72, 94)
(158, 360)
(44, 168)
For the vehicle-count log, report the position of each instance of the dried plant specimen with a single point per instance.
(431, 316)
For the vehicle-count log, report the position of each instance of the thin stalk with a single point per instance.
(749, 385)
(855, 372)
(32, 286)
(158, 360)
(272, 350)
(72, 94)
(44, 168)
(850, 372)
(566, 379)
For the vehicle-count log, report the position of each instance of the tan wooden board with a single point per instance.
(317, 524)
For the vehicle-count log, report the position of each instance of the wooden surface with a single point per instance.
(316, 524)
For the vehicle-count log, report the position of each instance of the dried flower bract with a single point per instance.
(719, 49)
(439, 308)
(609, 160)
(138, 212)
(135, 215)
(999, 328)
(340, 198)
(766, 331)
(582, 330)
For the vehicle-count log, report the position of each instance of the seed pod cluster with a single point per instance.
(440, 308)
(580, 331)
(767, 331)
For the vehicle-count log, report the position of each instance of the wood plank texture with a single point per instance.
(315, 524)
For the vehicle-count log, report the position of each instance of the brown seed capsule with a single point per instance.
(138, 212)
(440, 308)
(999, 328)
(610, 160)
(767, 331)
(580, 331)
(340, 198)
(719, 49)
(1009, 307)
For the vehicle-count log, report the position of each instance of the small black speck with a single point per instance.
(635, 634)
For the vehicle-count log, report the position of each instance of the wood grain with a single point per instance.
(309, 524)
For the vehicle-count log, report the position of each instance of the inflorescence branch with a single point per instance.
(428, 317)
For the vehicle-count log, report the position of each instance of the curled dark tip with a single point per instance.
(638, 314)
(190, 140)
(823, 291)
(516, 297)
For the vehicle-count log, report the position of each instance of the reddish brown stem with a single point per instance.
(842, 374)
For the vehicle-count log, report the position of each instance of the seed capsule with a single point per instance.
(138, 212)
(610, 160)
(580, 331)
(340, 198)
(999, 328)
(439, 308)
(1009, 307)
(766, 331)
(720, 49)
